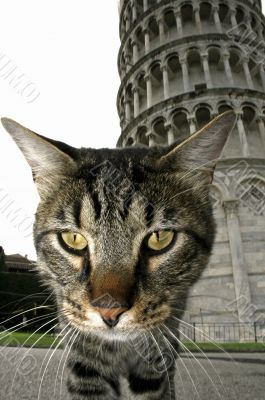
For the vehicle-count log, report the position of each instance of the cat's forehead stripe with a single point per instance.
(97, 204)
(61, 215)
(77, 205)
(149, 214)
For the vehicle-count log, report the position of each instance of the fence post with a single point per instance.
(255, 332)
(194, 332)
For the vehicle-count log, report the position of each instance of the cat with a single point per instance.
(121, 236)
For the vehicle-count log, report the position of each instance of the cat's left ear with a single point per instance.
(201, 151)
(46, 157)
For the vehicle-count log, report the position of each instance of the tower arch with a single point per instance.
(182, 63)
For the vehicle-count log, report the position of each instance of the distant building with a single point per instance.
(181, 63)
(18, 263)
(20, 291)
(2, 258)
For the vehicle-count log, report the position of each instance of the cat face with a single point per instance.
(121, 235)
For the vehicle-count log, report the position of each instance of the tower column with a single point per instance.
(247, 73)
(135, 51)
(248, 22)
(127, 110)
(123, 71)
(217, 19)
(151, 139)
(233, 18)
(134, 12)
(262, 75)
(260, 30)
(228, 70)
(146, 40)
(165, 81)
(192, 124)
(206, 68)
(170, 134)
(149, 92)
(179, 22)
(127, 24)
(185, 73)
(127, 58)
(240, 273)
(136, 101)
(262, 129)
(198, 18)
(242, 135)
(161, 27)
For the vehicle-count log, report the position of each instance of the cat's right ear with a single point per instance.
(46, 160)
(201, 151)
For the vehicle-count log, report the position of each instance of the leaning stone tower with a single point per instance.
(182, 63)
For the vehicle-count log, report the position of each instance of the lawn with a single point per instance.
(25, 339)
(229, 347)
(40, 340)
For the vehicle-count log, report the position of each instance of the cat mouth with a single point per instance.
(114, 318)
(111, 315)
(92, 324)
(107, 319)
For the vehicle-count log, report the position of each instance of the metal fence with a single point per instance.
(223, 332)
(196, 332)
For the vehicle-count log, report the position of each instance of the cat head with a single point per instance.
(122, 234)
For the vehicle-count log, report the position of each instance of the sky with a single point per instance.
(58, 77)
(64, 84)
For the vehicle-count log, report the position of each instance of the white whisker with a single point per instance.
(185, 367)
(176, 364)
(24, 312)
(192, 355)
(11, 330)
(211, 340)
(67, 356)
(34, 344)
(53, 352)
(155, 341)
(205, 356)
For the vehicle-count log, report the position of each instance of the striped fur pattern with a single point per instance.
(116, 199)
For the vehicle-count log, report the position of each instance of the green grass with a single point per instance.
(36, 340)
(229, 347)
(24, 339)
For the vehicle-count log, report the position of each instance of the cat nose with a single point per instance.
(111, 316)
(111, 322)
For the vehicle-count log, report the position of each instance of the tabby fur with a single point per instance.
(115, 198)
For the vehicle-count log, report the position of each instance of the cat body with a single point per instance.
(121, 235)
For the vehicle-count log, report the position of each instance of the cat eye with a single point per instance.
(160, 240)
(74, 240)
